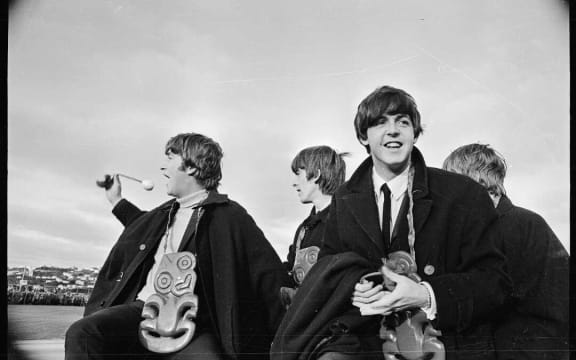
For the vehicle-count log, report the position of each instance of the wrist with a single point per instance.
(428, 297)
(115, 200)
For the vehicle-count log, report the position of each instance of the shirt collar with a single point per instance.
(397, 185)
(193, 199)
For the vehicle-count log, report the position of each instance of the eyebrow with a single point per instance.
(397, 116)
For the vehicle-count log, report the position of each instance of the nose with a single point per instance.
(294, 181)
(392, 129)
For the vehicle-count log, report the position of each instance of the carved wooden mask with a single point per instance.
(303, 262)
(169, 314)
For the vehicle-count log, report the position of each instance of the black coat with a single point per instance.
(455, 248)
(313, 226)
(246, 271)
(320, 312)
(534, 324)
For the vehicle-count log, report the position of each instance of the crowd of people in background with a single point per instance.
(59, 297)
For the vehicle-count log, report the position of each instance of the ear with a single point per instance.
(317, 177)
(363, 141)
(191, 171)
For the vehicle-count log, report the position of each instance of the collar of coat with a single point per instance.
(358, 194)
(214, 197)
(361, 181)
(504, 205)
(315, 217)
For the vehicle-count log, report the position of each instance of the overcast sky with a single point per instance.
(99, 86)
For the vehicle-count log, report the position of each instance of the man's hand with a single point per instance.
(406, 294)
(365, 293)
(114, 192)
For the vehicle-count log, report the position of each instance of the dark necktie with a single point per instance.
(172, 214)
(386, 215)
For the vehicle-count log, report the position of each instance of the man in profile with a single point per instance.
(318, 172)
(534, 323)
(237, 278)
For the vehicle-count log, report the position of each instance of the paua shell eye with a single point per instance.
(164, 282)
(185, 263)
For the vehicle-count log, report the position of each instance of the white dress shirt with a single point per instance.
(172, 237)
(398, 186)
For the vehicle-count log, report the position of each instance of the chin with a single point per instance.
(171, 193)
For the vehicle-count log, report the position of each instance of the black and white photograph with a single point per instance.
(297, 180)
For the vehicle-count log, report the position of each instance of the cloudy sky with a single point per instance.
(97, 87)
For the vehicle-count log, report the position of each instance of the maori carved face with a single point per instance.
(168, 314)
(303, 261)
(408, 334)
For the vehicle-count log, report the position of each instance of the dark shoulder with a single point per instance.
(228, 207)
(524, 215)
(448, 184)
(164, 205)
(443, 176)
(342, 190)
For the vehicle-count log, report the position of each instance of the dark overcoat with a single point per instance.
(534, 323)
(455, 248)
(313, 229)
(246, 271)
(320, 312)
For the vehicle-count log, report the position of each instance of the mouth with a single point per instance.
(155, 342)
(393, 145)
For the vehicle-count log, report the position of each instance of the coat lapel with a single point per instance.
(422, 202)
(361, 202)
(365, 212)
(422, 209)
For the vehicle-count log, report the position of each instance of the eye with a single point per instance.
(381, 121)
(163, 282)
(404, 121)
(150, 310)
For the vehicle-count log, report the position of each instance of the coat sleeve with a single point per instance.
(126, 212)
(266, 271)
(479, 284)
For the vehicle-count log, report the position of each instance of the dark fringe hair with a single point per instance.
(385, 100)
(199, 152)
(324, 161)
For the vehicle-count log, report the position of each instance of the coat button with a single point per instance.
(120, 276)
(102, 303)
(429, 269)
(142, 247)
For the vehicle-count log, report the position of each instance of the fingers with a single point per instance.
(368, 296)
(116, 179)
(391, 274)
(384, 305)
(367, 310)
(380, 299)
(114, 191)
(363, 286)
